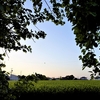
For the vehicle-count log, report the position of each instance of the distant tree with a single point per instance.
(76, 78)
(53, 78)
(41, 77)
(31, 77)
(21, 77)
(71, 77)
(68, 77)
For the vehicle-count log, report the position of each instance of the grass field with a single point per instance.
(65, 84)
(63, 88)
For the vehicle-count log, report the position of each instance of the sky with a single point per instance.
(54, 56)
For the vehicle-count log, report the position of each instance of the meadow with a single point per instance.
(57, 89)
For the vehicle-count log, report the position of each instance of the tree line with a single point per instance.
(37, 76)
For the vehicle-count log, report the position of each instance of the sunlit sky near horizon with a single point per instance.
(54, 56)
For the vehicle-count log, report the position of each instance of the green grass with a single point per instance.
(66, 84)
(60, 89)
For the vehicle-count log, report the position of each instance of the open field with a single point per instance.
(64, 83)
(62, 88)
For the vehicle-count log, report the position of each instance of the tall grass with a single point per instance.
(61, 89)
(64, 84)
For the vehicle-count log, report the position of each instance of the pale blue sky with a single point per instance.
(54, 56)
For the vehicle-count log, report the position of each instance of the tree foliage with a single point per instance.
(3, 86)
(14, 22)
(83, 14)
(15, 19)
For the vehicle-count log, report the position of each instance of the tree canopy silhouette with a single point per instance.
(83, 14)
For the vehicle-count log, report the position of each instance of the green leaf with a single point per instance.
(24, 50)
(1, 8)
(80, 57)
(83, 51)
(93, 14)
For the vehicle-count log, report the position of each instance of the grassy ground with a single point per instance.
(60, 89)
(66, 82)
